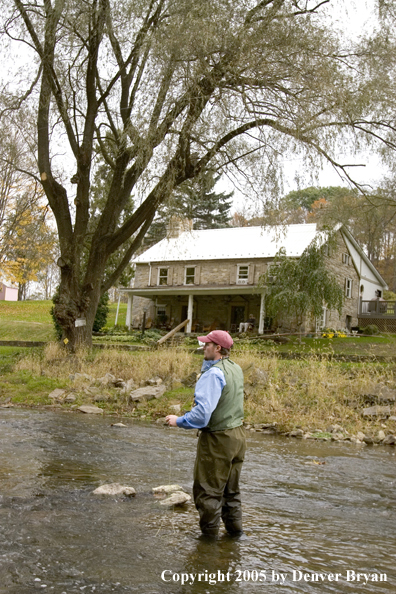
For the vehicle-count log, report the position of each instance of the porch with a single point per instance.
(206, 307)
(378, 308)
(379, 312)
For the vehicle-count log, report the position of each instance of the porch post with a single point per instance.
(190, 313)
(262, 315)
(118, 309)
(129, 311)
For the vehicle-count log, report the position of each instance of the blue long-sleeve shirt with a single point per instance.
(207, 395)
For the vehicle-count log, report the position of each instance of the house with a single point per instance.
(210, 276)
(8, 293)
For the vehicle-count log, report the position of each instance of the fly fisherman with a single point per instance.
(218, 413)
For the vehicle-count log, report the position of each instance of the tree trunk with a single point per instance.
(75, 310)
(21, 291)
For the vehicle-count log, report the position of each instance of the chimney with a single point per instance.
(176, 226)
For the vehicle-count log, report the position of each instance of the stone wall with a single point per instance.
(342, 271)
(216, 272)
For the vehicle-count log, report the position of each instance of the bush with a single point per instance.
(371, 329)
(101, 313)
(100, 317)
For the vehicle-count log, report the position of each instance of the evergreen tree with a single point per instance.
(197, 201)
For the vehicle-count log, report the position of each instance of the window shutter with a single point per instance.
(233, 274)
(197, 277)
(170, 275)
(251, 274)
(154, 276)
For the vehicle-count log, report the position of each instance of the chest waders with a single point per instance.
(220, 454)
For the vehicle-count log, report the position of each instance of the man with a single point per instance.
(248, 325)
(218, 413)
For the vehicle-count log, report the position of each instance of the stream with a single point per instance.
(311, 527)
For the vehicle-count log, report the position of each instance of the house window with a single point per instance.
(348, 287)
(321, 320)
(242, 275)
(326, 250)
(271, 270)
(190, 275)
(346, 259)
(162, 276)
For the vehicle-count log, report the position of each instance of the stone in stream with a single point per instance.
(90, 410)
(115, 489)
(381, 435)
(117, 425)
(296, 433)
(177, 498)
(390, 440)
(166, 489)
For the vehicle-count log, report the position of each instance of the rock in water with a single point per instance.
(115, 489)
(90, 410)
(117, 425)
(177, 498)
(166, 489)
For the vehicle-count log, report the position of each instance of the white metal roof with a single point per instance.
(231, 243)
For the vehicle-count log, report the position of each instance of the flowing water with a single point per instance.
(304, 520)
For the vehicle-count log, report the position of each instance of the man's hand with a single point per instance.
(171, 420)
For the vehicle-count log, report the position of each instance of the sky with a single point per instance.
(353, 19)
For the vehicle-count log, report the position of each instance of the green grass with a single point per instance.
(384, 345)
(112, 314)
(31, 320)
(23, 386)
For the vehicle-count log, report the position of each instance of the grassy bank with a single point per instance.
(31, 320)
(309, 394)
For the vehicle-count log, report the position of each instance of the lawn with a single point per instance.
(383, 345)
(31, 320)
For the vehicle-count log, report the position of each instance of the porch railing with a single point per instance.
(377, 308)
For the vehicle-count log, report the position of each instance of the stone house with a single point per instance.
(210, 276)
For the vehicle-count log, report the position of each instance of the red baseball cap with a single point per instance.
(220, 337)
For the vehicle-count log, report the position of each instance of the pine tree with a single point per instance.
(197, 201)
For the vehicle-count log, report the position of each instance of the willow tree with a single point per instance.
(176, 86)
(301, 287)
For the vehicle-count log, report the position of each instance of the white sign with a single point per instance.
(80, 322)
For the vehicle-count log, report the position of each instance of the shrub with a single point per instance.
(371, 329)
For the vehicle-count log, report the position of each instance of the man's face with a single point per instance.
(211, 351)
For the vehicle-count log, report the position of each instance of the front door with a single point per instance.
(237, 314)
